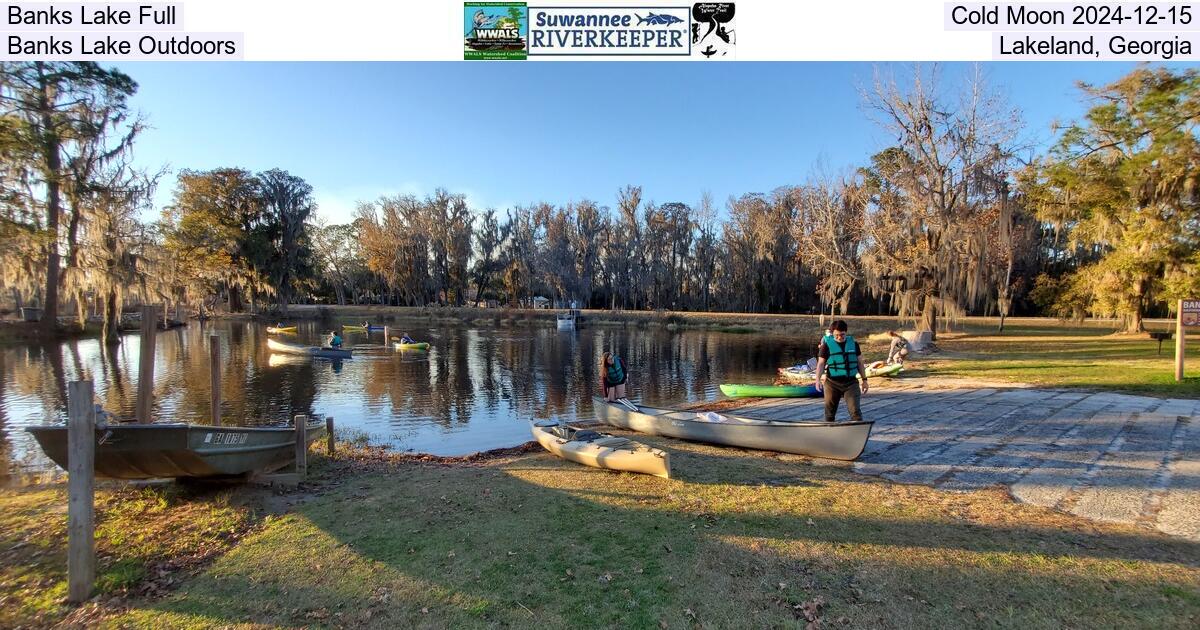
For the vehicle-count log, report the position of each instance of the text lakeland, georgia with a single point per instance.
(1017, 45)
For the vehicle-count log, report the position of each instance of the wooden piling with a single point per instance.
(301, 423)
(214, 357)
(81, 525)
(1180, 342)
(329, 441)
(145, 391)
(387, 335)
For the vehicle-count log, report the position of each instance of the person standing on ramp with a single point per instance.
(838, 372)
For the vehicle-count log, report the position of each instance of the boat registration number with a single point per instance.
(226, 438)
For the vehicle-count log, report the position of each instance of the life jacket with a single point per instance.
(615, 373)
(843, 358)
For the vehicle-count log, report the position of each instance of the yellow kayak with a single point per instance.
(282, 330)
(423, 345)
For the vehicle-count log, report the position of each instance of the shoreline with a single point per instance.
(14, 332)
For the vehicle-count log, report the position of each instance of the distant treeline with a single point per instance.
(955, 218)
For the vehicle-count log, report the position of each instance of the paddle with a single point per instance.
(628, 405)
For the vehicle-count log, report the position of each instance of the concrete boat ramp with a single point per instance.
(1102, 456)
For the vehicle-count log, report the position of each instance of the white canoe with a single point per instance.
(831, 440)
(601, 450)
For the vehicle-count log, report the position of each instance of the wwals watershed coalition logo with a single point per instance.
(495, 30)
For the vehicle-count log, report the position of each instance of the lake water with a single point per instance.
(476, 389)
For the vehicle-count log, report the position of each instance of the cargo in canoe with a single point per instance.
(832, 440)
(601, 450)
(155, 451)
(770, 391)
(312, 351)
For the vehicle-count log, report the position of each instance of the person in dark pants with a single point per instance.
(838, 367)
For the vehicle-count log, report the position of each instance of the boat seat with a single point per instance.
(611, 442)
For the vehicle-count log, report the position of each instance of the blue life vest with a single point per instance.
(843, 358)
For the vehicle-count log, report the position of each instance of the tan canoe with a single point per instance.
(601, 450)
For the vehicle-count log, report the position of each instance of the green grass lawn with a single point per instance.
(139, 532)
(737, 539)
(1063, 357)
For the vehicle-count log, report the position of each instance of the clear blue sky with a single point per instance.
(515, 133)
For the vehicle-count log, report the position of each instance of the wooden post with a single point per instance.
(214, 357)
(329, 441)
(165, 322)
(387, 335)
(301, 423)
(145, 391)
(1180, 341)
(81, 455)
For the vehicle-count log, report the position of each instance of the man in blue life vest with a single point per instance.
(838, 367)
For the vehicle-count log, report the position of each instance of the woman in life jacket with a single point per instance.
(612, 377)
(839, 369)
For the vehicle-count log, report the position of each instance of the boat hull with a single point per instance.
(770, 391)
(830, 440)
(411, 346)
(154, 451)
(629, 457)
(281, 330)
(312, 351)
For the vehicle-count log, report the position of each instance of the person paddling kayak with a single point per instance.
(612, 377)
(335, 340)
(406, 339)
(838, 365)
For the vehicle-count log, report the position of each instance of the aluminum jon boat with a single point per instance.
(155, 451)
(312, 351)
(831, 440)
(601, 450)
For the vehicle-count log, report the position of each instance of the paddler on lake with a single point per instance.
(335, 340)
(612, 377)
(838, 370)
(406, 339)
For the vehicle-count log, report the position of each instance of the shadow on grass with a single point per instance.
(536, 540)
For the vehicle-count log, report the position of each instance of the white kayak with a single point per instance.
(601, 450)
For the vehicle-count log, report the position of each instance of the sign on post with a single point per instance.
(1189, 315)
(1190, 312)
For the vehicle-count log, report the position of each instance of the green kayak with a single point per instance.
(770, 391)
